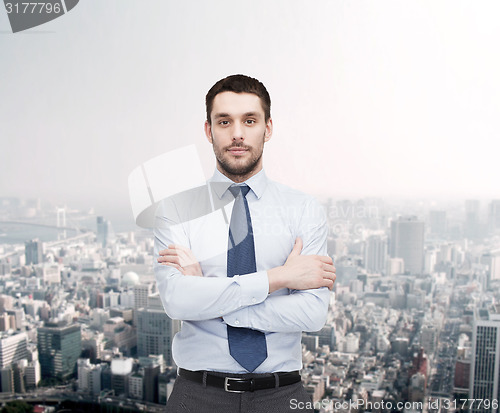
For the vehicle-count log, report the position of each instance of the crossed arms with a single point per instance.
(246, 300)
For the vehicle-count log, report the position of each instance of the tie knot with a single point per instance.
(235, 190)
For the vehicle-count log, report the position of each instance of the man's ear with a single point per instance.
(208, 131)
(269, 130)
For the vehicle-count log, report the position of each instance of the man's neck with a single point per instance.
(240, 178)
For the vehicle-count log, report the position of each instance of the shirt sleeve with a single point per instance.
(300, 310)
(194, 298)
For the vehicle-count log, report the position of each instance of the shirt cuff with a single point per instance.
(254, 288)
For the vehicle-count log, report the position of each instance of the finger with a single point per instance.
(327, 283)
(324, 258)
(172, 259)
(329, 275)
(172, 249)
(329, 268)
(297, 247)
(168, 254)
(331, 286)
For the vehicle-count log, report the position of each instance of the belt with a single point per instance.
(241, 384)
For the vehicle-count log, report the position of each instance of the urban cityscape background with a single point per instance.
(388, 99)
(414, 322)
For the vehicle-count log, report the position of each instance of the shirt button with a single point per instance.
(254, 300)
(236, 322)
(221, 311)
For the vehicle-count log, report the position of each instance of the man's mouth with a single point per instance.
(237, 151)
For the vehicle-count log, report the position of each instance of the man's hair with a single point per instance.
(239, 84)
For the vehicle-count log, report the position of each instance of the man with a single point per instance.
(246, 277)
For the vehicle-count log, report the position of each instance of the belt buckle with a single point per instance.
(227, 383)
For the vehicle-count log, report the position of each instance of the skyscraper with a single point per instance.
(104, 231)
(407, 242)
(375, 254)
(13, 347)
(484, 382)
(59, 346)
(437, 222)
(33, 252)
(472, 227)
(494, 216)
(141, 294)
(155, 330)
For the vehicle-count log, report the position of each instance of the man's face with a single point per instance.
(237, 133)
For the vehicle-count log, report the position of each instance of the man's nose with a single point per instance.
(237, 132)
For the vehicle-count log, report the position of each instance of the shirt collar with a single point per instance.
(257, 183)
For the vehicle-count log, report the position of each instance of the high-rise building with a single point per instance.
(492, 261)
(437, 222)
(49, 273)
(462, 369)
(485, 365)
(136, 385)
(5, 268)
(165, 385)
(430, 260)
(416, 388)
(59, 347)
(121, 334)
(428, 338)
(13, 347)
(121, 370)
(4, 322)
(19, 376)
(33, 252)
(494, 216)
(7, 380)
(326, 336)
(141, 293)
(17, 317)
(407, 242)
(472, 226)
(104, 231)
(375, 254)
(155, 330)
(89, 376)
(6, 302)
(32, 374)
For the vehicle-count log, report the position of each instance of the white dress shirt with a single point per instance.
(200, 220)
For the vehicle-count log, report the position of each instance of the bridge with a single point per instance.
(36, 224)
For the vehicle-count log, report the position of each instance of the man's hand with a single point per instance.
(302, 272)
(181, 258)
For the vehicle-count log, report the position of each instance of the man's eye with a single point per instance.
(224, 122)
(250, 121)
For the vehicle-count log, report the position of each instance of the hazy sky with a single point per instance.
(375, 98)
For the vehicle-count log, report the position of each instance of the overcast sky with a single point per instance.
(369, 98)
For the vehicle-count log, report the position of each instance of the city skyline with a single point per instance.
(400, 329)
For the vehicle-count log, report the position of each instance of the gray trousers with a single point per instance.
(188, 396)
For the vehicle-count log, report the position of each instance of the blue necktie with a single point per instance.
(246, 346)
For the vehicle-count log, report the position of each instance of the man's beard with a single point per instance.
(233, 166)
